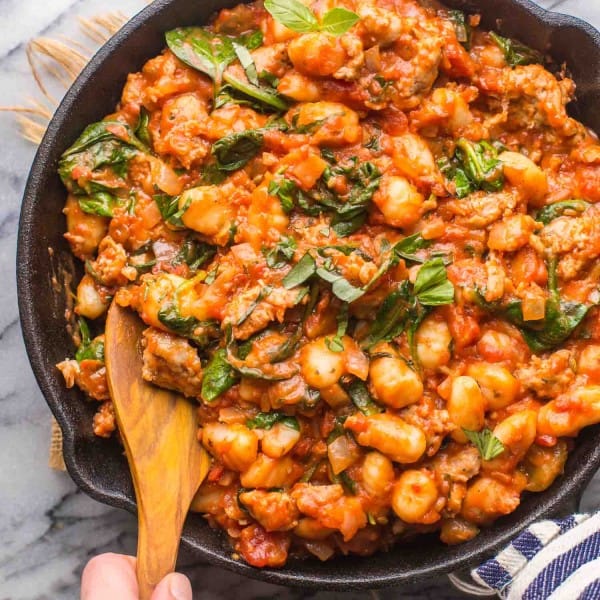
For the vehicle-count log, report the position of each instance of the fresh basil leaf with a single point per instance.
(266, 420)
(340, 286)
(432, 287)
(236, 150)
(488, 445)
(516, 53)
(362, 399)
(303, 270)
(88, 349)
(142, 131)
(100, 203)
(219, 376)
(247, 62)
(552, 211)
(338, 21)
(292, 14)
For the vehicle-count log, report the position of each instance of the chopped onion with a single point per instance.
(342, 453)
(322, 550)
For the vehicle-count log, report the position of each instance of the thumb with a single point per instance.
(174, 586)
(109, 577)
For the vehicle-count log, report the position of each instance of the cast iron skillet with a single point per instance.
(98, 466)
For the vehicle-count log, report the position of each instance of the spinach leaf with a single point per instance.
(409, 246)
(200, 332)
(141, 130)
(169, 209)
(212, 53)
(432, 287)
(278, 256)
(462, 27)
(266, 420)
(194, 253)
(349, 211)
(475, 166)
(261, 98)
(236, 150)
(360, 396)
(218, 377)
(553, 211)
(407, 306)
(560, 320)
(100, 203)
(103, 144)
(488, 445)
(252, 306)
(303, 270)
(336, 344)
(296, 16)
(392, 315)
(88, 349)
(516, 53)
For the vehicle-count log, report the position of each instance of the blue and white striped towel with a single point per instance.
(551, 560)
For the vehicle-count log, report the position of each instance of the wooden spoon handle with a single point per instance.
(159, 432)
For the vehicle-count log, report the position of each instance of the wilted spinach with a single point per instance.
(516, 53)
(169, 209)
(88, 349)
(200, 332)
(218, 377)
(406, 307)
(462, 27)
(212, 53)
(553, 211)
(266, 420)
(278, 256)
(360, 396)
(103, 144)
(474, 166)
(236, 150)
(560, 320)
(100, 203)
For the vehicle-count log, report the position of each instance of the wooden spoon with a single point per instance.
(159, 429)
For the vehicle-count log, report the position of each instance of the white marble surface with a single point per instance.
(48, 528)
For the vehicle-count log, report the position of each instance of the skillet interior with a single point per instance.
(98, 466)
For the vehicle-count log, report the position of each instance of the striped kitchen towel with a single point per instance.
(555, 560)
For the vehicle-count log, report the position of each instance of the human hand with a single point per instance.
(112, 577)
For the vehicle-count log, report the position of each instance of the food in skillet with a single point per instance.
(364, 238)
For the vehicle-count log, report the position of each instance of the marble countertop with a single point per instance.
(49, 528)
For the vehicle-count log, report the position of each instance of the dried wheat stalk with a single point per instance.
(61, 60)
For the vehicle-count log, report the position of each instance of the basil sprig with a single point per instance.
(298, 17)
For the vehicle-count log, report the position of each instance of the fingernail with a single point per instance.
(180, 587)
